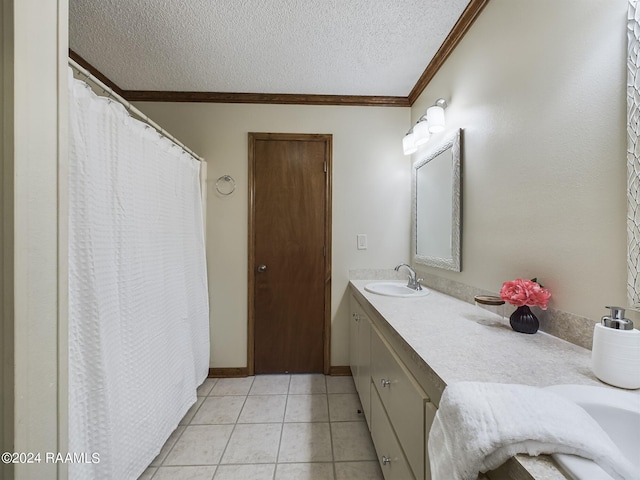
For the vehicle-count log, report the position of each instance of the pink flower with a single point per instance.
(521, 292)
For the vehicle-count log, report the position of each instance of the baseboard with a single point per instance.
(340, 370)
(228, 372)
(233, 372)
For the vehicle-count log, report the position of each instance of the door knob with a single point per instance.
(262, 268)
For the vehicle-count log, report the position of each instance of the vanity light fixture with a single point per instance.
(409, 143)
(422, 132)
(431, 122)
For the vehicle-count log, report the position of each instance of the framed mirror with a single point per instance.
(633, 158)
(436, 207)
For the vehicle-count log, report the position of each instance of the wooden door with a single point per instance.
(289, 252)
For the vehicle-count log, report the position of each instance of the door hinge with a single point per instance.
(324, 166)
(324, 251)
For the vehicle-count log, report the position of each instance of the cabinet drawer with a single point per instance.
(403, 399)
(392, 461)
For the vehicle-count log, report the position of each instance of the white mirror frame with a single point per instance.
(453, 263)
(633, 157)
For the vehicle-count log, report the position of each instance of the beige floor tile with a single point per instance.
(200, 445)
(219, 410)
(270, 385)
(253, 443)
(263, 409)
(340, 384)
(232, 386)
(306, 408)
(345, 407)
(358, 471)
(318, 428)
(305, 442)
(185, 473)
(191, 412)
(352, 441)
(245, 472)
(304, 471)
(207, 385)
(307, 384)
(168, 445)
(148, 473)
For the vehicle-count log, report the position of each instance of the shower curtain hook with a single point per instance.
(87, 78)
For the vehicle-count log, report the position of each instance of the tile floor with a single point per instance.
(270, 427)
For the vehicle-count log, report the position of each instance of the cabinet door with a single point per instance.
(353, 343)
(429, 416)
(403, 400)
(364, 366)
(392, 461)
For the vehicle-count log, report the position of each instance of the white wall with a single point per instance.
(6, 229)
(539, 89)
(371, 195)
(34, 138)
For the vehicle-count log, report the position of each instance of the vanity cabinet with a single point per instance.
(398, 409)
(414, 353)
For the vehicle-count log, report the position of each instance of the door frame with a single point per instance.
(327, 139)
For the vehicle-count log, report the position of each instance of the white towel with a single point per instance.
(479, 426)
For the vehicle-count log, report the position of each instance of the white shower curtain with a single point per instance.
(138, 304)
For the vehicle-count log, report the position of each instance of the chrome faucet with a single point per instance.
(414, 283)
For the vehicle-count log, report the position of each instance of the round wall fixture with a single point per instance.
(225, 185)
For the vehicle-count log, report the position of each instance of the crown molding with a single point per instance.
(457, 33)
(266, 98)
(96, 73)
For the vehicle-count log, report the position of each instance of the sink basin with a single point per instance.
(395, 289)
(617, 412)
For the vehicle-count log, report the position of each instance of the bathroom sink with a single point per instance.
(618, 413)
(395, 289)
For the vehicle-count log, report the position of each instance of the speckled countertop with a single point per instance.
(462, 342)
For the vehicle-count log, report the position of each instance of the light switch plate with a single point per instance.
(362, 241)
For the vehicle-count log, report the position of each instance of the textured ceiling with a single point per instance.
(327, 47)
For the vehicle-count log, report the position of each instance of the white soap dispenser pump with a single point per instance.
(615, 354)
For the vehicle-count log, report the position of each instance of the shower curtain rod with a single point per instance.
(131, 109)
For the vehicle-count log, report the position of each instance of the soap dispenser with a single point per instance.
(615, 355)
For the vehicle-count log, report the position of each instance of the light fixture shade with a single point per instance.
(421, 131)
(435, 117)
(409, 144)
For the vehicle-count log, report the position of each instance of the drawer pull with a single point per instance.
(385, 383)
(356, 317)
(386, 460)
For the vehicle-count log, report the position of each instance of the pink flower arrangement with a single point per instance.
(521, 292)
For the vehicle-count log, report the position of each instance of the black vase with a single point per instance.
(523, 320)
